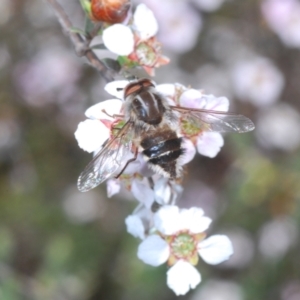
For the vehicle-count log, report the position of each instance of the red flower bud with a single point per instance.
(110, 11)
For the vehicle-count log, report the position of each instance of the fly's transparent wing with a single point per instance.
(212, 120)
(107, 161)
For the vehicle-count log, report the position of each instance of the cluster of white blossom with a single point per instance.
(168, 234)
(136, 40)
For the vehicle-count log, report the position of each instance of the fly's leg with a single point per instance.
(112, 116)
(128, 162)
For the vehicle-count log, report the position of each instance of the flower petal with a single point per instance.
(215, 249)
(162, 191)
(91, 134)
(111, 107)
(182, 277)
(189, 152)
(166, 219)
(153, 251)
(135, 226)
(116, 88)
(144, 22)
(216, 103)
(118, 39)
(142, 193)
(193, 220)
(113, 187)
(192, 98)
(210, 143)
(168, 89)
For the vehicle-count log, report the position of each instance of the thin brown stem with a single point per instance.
(79, 43)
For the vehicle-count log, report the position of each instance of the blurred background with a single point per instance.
(58, 243)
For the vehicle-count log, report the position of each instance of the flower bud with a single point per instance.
(110, 11)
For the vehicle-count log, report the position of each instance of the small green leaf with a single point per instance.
(86, 6)
(126, 62)
(89, 25)
(111, 64)
(77, 30)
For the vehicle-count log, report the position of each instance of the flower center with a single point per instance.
(183, 245)
(116, 127)
(145, 54)
(190, 128)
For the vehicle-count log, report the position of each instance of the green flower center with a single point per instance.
(190, 128)
(183, 245)
(145, 54)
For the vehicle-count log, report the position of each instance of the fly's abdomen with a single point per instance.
(163, 151)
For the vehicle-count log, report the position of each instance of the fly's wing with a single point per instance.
(218, 121)
(108, 160)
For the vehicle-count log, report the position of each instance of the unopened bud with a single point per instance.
(110, 11)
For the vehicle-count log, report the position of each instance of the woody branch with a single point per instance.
(81, 47)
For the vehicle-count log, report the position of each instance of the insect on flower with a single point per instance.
(151, 125)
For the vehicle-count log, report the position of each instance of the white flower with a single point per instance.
(131, 180)
(144, 22)
(279, 127)
(179, 241)
(162, 191)
(207, 143)
(118, 39)
(257, 80)
(281, 229)
(284, 18)
(91, 134)
(177, 23)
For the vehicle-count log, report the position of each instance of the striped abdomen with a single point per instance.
(162, 150)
